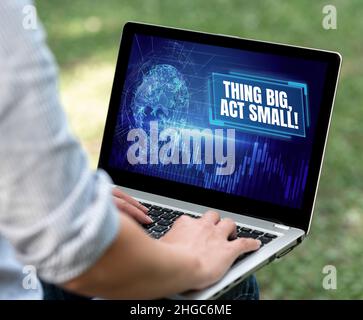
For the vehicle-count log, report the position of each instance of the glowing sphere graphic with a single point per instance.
(163, 96)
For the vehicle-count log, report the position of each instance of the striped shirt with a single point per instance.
(56, 215)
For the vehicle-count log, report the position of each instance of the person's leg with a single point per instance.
(53, 292)
(246, 290)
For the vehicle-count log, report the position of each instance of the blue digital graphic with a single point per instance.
(173, 82)
(162, 95)
(289, 119)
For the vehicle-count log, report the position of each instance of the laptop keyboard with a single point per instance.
(164, 218)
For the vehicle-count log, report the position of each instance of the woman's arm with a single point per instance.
(194, 254)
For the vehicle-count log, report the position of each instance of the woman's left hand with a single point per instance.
(128, 205)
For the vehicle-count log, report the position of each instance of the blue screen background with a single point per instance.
(269, 168)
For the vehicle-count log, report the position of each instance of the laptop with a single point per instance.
(201, 121)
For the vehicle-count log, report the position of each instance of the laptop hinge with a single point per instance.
(281, 226)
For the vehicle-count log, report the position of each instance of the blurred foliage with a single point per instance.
(84, 36)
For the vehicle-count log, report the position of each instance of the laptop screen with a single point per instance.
(230, 120)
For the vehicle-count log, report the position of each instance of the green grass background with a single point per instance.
(84, 36)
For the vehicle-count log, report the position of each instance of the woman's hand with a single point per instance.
(130, 206)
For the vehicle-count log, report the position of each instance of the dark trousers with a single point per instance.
(246, 290)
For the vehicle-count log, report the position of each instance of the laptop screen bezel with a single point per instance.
(296, 217)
